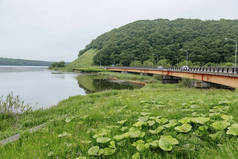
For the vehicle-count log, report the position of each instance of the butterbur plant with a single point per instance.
(13, 105)
(155, 134)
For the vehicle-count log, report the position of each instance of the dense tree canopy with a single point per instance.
(159, 39)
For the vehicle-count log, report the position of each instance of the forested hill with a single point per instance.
(153, 40)
(21, 62)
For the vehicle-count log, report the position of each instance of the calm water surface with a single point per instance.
(42, 88)
(38, 86)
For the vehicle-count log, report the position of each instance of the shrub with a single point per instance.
(57, 64)
(186, 82)
(12, 105)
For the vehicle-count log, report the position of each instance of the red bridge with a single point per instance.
(223, 75)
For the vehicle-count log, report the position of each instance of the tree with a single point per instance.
(184, 63)
(136, 64)
(163, 63)
(148, 63)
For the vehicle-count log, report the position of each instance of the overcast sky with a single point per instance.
(57, 29)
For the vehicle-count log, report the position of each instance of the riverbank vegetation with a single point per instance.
(89, 69)
(57, 65)
(156, 121)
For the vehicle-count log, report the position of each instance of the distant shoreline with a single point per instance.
(24, 66)
(22, 62)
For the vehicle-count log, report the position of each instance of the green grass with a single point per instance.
(90, 70)
(85, 60)
(82, 117)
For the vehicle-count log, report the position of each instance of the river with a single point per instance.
(42, 88)
(38, 86)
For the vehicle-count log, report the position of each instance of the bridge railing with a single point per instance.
(214, 70)
(224, 70)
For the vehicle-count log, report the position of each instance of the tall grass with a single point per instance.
(12, 105)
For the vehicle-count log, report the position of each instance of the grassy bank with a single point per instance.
(90, 70)
(80, 124)
(84, 61)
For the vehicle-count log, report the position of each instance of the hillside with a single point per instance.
(154, 40)
(21, 62)
(86, 60)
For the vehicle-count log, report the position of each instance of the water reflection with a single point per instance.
(94, 83)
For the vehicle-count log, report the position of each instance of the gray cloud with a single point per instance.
(58, 29)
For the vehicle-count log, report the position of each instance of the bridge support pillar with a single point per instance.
(170, 79)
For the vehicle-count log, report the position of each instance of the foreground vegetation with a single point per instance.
(157, 121)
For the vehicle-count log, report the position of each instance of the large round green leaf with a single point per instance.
(103, 140)
(142, 147)
(185, 120)
(138, 142)
(171, 124)
(119, 137)
(200, 120)
(183, 128)
(151, 122)
(166, 142)
(135, 133)
(220, 125)
(233, 130)
(154, 143)
(157, 130)
(162, 120)
(108, 151)
(139, 124)
(93, 151)
(228, 118)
